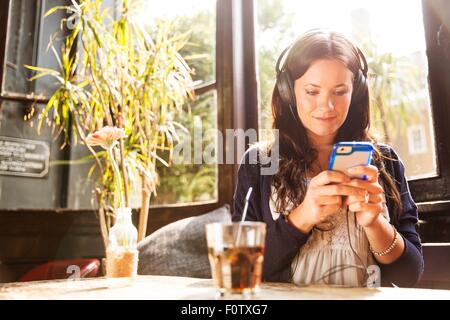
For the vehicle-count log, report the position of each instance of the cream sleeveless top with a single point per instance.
(338, 257)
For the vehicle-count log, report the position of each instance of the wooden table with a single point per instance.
(174, 288)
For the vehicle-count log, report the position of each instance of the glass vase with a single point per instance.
(121, 253)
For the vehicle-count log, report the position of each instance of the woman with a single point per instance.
(322, 226)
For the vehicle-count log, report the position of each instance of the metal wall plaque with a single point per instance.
(24, 157)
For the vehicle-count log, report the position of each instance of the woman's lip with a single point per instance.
(324, 118)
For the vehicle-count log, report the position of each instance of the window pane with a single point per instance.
(27, 44)
(193, 179)
(197, 17)
(185, 182)
(190, 181)
(394, 45)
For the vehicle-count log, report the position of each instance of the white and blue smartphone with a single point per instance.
(350, 154)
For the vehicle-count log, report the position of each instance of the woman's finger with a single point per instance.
(329, 200)
(372, 187)
(373, 198)
(339, 190)
(369, 207)
(371, 172)
(327, 177)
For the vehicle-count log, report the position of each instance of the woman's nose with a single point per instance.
(326, 103)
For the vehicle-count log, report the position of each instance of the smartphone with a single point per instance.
(350, 154)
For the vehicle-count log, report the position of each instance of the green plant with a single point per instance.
(393, 81)
(114, 73)
(188, 183)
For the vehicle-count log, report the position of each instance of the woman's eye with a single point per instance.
(311, 93)
(340, 93)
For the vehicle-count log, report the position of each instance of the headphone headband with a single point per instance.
(282, 58)
(285, 84)
(363, 62)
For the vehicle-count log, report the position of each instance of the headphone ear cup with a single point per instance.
(359, 86)
(285, 88)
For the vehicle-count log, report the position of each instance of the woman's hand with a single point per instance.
(323, 199)
(368, 206)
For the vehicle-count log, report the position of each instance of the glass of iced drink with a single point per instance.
(236, 253)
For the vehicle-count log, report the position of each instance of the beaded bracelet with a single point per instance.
(390, 248)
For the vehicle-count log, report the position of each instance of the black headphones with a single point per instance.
(285, 84)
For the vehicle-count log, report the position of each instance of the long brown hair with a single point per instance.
(296, 153)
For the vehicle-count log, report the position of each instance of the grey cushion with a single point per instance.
(179, 248)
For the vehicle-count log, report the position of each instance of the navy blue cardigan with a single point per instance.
(283, 241)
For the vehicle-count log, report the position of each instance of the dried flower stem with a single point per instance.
(122, 155)
(125, 176)
(143, 217)
(117, 175)
(101, 214)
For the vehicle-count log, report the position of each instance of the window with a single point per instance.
(400, 46)
(181, 184)
(57, 209)
(189, 182)
(395, 52)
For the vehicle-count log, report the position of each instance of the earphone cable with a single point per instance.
(351, 247)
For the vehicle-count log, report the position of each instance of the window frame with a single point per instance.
(432, 193)
(236, 85)
(230, 68)
(237, 102)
